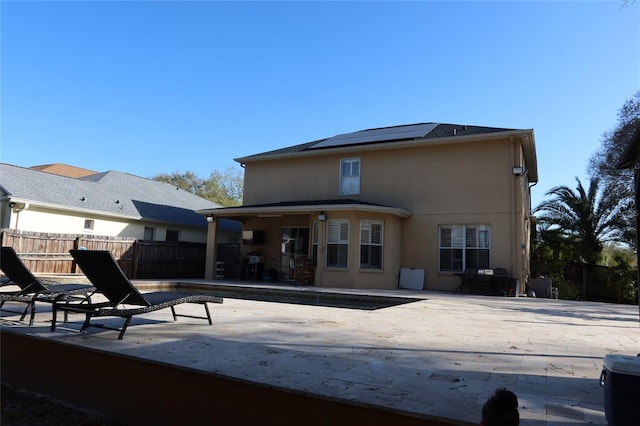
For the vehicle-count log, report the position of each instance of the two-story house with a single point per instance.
(353, 210)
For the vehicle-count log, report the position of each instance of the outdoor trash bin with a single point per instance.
(621, 381)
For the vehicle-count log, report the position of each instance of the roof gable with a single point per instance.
(63, 170)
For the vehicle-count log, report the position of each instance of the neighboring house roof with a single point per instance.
(402, 136)
(293, 207)
(63, 170)
(110, 193)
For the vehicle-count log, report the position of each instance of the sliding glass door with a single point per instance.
(294, 245)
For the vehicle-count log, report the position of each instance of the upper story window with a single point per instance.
(89, 224)
(350, 176)
(464, 247)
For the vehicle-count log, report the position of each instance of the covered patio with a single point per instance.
(289, 241)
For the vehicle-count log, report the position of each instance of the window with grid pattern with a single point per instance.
(314, 242)
(337, 243)
(464, 247)
(371, 232)
(350, 176)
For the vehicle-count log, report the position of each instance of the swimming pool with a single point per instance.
(302, 297)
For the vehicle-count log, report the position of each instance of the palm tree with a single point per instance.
(584, 218)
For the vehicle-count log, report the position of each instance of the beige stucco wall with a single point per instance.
(459, 183)
(352, 276)
(37, 219)
(411, 178)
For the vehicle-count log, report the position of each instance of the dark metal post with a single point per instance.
(636, 181)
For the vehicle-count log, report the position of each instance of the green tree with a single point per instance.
(603, 163)
(612, 252)
(187, 181)
(622, 278)
(551, 251)
(585, 218)
(224, 188)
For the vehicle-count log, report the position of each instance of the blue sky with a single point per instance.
(155, 86)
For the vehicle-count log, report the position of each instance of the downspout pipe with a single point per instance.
(514, 244)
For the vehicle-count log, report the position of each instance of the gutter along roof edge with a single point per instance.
(302, 208)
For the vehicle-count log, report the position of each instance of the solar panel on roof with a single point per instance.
(378, 135)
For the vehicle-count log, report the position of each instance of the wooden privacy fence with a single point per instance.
(49, 253)
(592, 283)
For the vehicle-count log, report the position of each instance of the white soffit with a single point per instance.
(411, 131)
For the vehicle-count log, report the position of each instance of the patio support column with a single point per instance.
(212, 249)
(320, 264)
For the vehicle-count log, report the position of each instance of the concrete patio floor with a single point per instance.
(437, 358)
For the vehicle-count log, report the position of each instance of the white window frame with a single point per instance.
(350, 176)
(172, 231)
(337, 240)
(315, 237)
(369, 242)
(464, 240)
(89, 225)
(149, 230)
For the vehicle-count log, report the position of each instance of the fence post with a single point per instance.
(76, 246)
(135, 260)
(180, 258)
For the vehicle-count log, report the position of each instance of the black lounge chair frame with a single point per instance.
(105, 274)
(33, 289)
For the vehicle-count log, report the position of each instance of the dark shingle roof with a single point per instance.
(447, 130)
(304, 206)
(112, 192)
(336, 202)
(439, 130)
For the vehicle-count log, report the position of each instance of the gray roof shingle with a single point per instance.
(110, 192)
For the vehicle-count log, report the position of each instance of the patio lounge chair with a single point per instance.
(33, 289)
(124, 300)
